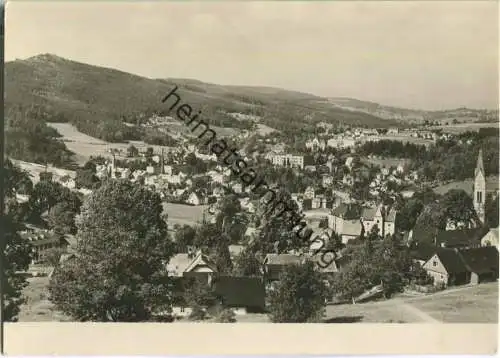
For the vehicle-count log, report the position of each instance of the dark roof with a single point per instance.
(480, 259)
(451, 260)
(347, 211)
(459, 237)
(246, 292)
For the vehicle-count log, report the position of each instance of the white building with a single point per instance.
(288, 160)
(327, 180)
(309, 193)
(193, 199)
(383, 219)
(316, 144)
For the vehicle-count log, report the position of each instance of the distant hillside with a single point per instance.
(99, 100)
(458, 115)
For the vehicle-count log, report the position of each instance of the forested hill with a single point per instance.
(98, 100)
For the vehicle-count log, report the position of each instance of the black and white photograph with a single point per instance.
(243, 162)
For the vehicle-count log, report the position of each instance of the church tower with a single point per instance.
(479, 187)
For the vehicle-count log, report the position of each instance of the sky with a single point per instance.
(425, 55)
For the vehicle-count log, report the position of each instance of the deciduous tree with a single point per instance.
(458, 207)
(132, 151)
(17, 256)
(119, 272)
(85, 178)
(299, 296)
(184, 237)
(491, 211)
(407, 216)
(61, 218)
(247, 264)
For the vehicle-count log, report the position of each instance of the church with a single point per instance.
(483, 186)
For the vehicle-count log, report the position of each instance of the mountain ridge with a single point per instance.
(99, 99)
(55, 57)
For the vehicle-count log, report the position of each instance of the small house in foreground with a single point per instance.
(491, 238)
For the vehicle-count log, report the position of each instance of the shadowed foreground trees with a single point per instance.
(17, 256)
(16, 249)
(119, 271)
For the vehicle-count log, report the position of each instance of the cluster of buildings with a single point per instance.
(351, 220)
(357, 136)
(451, 258)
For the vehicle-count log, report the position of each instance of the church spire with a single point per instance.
(479, 165)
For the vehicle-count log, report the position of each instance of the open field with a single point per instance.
(465, 304)
(464, 127)
(85, 146)
(400, 138)
(465, 185)
(371, 312)
(175, 127)
(38, 308)
(183, 214)
(262, 129)
(477, 304)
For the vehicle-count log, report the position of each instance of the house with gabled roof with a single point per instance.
(351, 229)
(446, 268)
(390, 221)
(193, 199)
(421, 252)
(241, 294)
(345, 215)
(482, 263)
(191, 265)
